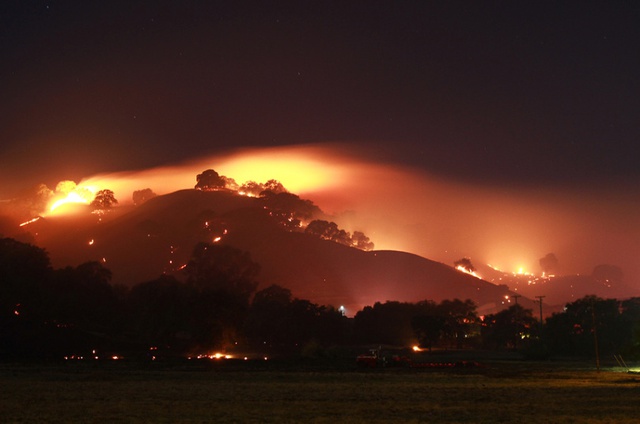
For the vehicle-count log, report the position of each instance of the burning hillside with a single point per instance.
(399, 209)
(139, 243)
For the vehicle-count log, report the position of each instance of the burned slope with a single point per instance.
(141, 243)
(333, 274)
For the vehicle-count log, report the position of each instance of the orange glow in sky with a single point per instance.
(301, 169)
(401, 208)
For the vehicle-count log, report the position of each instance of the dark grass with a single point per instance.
(308, 391)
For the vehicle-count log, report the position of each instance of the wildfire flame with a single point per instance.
(31, 221)
(466, 271)
(82, 195)
(216, 355)
(347, 184)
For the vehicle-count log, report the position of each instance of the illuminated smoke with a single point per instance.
(300, 169)
(68, 193)
(406, 209)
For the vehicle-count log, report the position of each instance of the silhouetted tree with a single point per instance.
(141, 196)
(104, 199)
(272, 296)
(509, 328)
(290, 204)
(549, 263)
(251, 188)
(23, 270)
(225, 279)
(209, 180)
(277, 321)
(82, 297)
(333, 327)
(221, 267)
(274, 186)
(342, 237)
(323, 229)
(630, 310)
(269, 317)
(465, 263)
(571, 332)
(427, 324)
(305, 322)
(386, 323)
(460, 321)
(361, 241)
(160, 312)
(230, 183)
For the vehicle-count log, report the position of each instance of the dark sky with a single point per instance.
(512, 93)
(496, 130)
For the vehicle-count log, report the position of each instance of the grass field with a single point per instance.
(506, 392)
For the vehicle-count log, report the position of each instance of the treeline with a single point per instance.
(51, 313)
(287, 208)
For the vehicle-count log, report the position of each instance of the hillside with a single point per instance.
(558, 290)
(139, 243)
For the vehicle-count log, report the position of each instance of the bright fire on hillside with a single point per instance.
(74, 197)
(404, 209)
(31, 221)
(466, 271)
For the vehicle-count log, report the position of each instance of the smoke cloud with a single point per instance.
(406, 209)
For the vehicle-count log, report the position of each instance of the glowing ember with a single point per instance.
(31, 221)
(466, 271)
(216, 355)
(521, 271)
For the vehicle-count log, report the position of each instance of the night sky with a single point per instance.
(520, 92)
(528, 95)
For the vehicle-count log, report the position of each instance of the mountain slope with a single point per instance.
(138, 244)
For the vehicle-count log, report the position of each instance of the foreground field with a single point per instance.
(499, 392)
